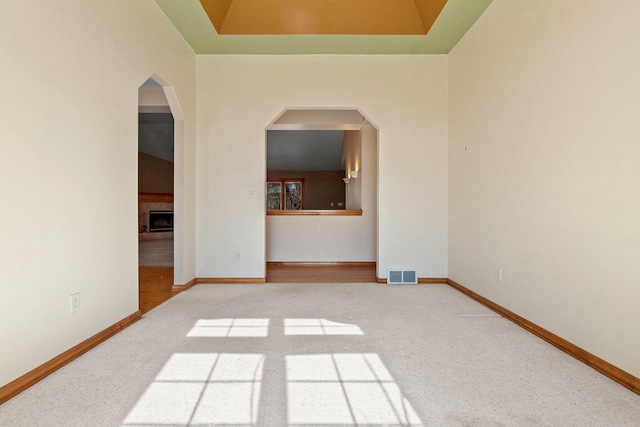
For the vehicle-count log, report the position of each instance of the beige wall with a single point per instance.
(544, 162)
(543, 154)
(238, 96)
(76, 66)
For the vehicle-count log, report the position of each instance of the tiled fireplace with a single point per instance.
(160, 221)
(155, 220)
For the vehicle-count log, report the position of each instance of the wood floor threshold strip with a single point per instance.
(424, 280)
(179, 288)
(321, 264)
(30, 378)
(231, 280)
(618, 375)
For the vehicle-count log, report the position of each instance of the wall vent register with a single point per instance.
(402, 277)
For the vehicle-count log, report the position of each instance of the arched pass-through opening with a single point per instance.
(160, 191)
(321, 192)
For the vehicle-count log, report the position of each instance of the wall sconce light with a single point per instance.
(353, 174)
(346, 180)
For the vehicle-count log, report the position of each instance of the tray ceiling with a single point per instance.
(323, 26)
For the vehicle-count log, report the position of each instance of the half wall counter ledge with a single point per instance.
(342, 212)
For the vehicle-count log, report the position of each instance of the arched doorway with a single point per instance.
(335, 223)
(160, 191)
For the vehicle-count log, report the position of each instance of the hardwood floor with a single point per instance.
(321, 273)
(156, 282)
(155, 287)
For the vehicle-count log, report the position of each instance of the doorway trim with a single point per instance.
(282, 121)
(178, 177)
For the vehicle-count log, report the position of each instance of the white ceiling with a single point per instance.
(310, 139)
(150, 84)
(318, 119)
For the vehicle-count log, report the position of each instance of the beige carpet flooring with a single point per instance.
(155, 253)
(323, 355)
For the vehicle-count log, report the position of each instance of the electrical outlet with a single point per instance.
(499, 275)
(75, 302)
(237, 256)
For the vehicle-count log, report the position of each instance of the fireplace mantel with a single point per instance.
(155, 197)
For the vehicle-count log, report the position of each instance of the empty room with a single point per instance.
(320, 214)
